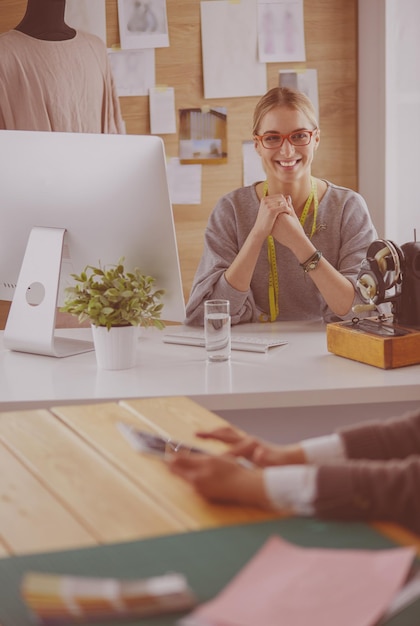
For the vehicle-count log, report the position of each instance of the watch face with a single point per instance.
(311, 265)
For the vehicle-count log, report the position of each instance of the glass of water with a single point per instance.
(217, 329)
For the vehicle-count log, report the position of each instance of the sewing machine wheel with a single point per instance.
(368, 286)
(380, 271)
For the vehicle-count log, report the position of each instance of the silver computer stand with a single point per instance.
(30, 326)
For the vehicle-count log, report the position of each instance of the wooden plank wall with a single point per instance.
(331, 48)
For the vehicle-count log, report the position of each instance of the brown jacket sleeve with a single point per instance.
(396, 438)
(381, 479)
(371, 490)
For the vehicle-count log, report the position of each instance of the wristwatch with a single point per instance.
(312, 262)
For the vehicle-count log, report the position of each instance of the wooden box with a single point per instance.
(347, 340)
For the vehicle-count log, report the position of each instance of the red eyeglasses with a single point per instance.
(273, 141)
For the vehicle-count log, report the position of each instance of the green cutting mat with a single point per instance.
(209, 559)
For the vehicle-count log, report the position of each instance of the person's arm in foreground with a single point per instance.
(385, 488)
(223, 479)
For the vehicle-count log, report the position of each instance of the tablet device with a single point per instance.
(150, 443)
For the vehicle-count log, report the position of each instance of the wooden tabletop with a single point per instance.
(68, 478)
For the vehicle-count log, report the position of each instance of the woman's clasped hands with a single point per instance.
(277, 217)
(271, 207)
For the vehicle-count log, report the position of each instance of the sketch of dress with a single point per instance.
(289, 28)
(142, 19)
(268, 33)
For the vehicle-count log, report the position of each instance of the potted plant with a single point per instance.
(116, 302)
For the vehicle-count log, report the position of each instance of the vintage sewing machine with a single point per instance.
(388, 283)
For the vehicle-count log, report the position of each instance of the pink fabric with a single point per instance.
(62, 86)
(294, 586)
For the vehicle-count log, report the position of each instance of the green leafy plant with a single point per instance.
(111, 296)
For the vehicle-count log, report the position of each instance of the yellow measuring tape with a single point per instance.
(273, 281)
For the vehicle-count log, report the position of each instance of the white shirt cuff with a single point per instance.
(291, 487)
(326, 449)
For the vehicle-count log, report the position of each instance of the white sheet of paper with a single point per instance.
(301, 586)
(229, 46)
(162, 110)
(87, 15)
(281, 32)
(302, 80)
(184, 182)
(252, 166)
(143, 24)
(133, 71)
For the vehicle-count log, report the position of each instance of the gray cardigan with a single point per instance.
(344, 232)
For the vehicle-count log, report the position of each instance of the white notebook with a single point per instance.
(193, 336)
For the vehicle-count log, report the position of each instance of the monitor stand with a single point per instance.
(30, 326)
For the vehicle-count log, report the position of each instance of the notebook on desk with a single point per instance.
(248, 342)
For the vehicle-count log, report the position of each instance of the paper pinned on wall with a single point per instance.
(229, 46)
(281, 31)
(203, 135)
(302, 80)
(87, 15)
(253, 170)
(133, 71)
(184, 182)
(143, 24)
(162, 110)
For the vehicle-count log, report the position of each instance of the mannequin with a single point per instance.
(44, 19)
(54, 78)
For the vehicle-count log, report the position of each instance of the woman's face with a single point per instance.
(288, 163)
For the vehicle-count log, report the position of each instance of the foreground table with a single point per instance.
(68, 478)
(75, 498)
(208, 559)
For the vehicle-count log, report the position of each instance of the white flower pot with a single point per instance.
(115, 348)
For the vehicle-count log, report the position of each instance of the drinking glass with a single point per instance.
(217, 329)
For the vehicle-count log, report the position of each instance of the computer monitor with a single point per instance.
(68, 200)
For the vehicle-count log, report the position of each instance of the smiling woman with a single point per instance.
(262, 240)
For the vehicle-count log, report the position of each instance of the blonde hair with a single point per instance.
(283, 97)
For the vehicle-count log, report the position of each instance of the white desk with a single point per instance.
(302, 382)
